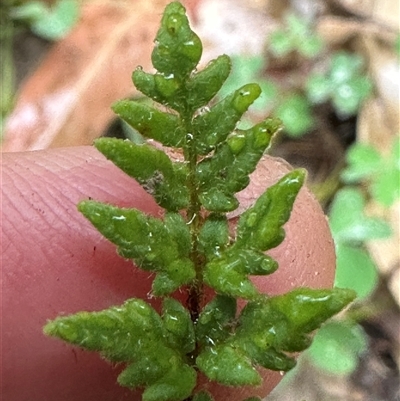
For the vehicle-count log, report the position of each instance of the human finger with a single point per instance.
(55, 262)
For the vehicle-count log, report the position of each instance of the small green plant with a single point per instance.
(297, 35)
(351, 228)
(380, 174)
(337, 346)
(191, 248)
(247, 69)
(342, 83)
(51, 23)
(295, 111)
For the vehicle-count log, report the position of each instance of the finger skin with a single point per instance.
(54, 262)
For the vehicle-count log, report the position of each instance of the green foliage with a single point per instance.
(295, 112)
(297, 35)
(136, 334)
(203, 396)
(191, 247)
(265, 330)
(343, 84)
(350, 228)
(245, 69)
(382, 174)
(356, 269)
(226, 173)
(51, 23)
(337, 347)
(348, 221)
(152, 168)
(159, 247)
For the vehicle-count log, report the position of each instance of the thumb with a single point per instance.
(55, 262)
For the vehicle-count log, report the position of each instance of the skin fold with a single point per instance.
(54, 262)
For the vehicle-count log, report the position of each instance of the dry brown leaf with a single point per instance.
(382, 11)
(337, 30)
(386, 253)
(379, 119)
(67, 100)
(232, 27)
(375, 127)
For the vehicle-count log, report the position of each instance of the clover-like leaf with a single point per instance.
(295, 113)
(381, 174)
(337, 347)
(146, 240)
(350, 228)
(297, 35)
(385, 188)
(348, 221)
(355, 269)
(347, 98)
(343, 83)
(51, 23)
(364, 160)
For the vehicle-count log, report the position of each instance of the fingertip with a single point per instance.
(56, 262)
